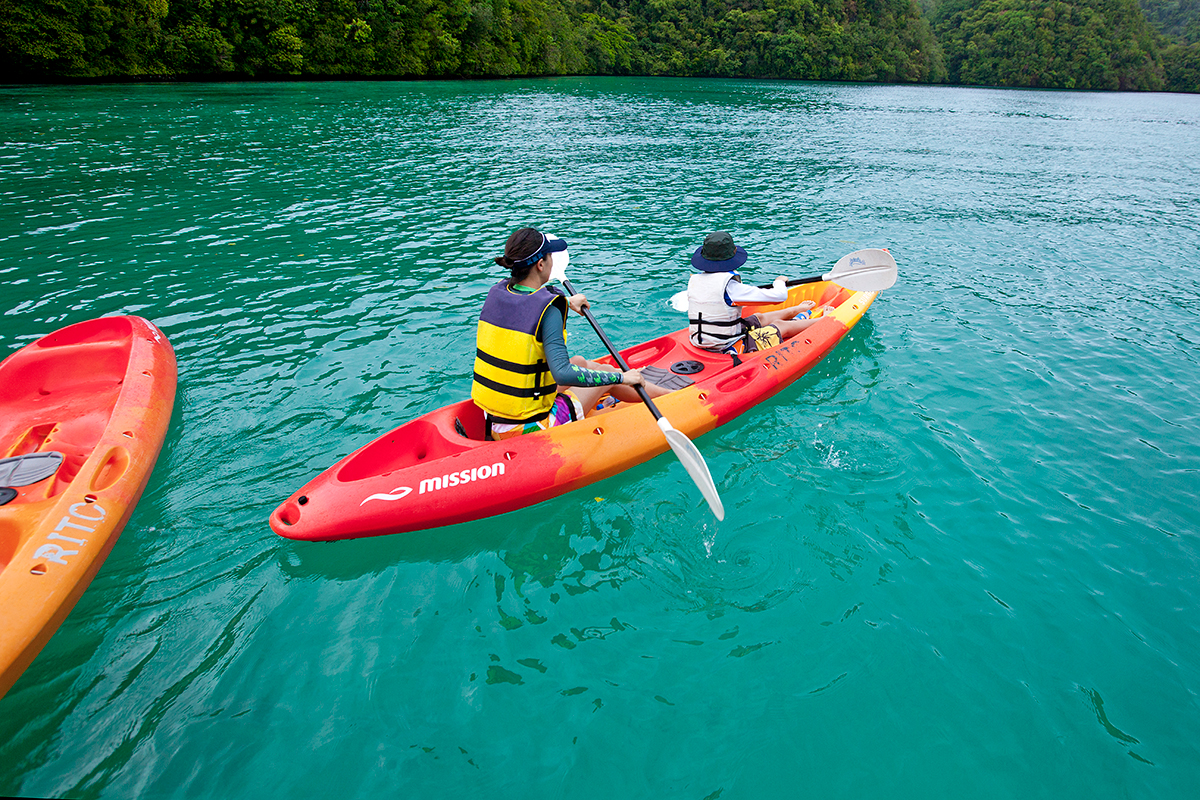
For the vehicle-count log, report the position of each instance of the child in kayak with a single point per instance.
(716, 291)
(522, 372)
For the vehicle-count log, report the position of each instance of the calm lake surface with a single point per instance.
(960, 557)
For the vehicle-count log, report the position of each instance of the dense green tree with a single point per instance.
(1083, 44)
(1179, 19)
(1087, 44)
(197, 49)
(47, 36)
(285, 51)
(81, 38)
(880, 40)
(1181, 63)
(1179, 22)
(610, 48)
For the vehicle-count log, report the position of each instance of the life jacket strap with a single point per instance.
(505, 421)
(736, 323)
(699, 321)
(511, 366)
(512, 391)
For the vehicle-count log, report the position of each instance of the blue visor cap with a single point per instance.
(550, 244)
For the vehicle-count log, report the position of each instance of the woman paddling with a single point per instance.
(522, 370)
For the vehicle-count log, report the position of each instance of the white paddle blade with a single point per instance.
(679, 301)
(865, 271)
(693, 462)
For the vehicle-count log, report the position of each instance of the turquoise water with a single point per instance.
(960, 557)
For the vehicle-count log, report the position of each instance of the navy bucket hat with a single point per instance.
(718, 254)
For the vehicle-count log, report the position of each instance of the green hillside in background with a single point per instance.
(1177, 18)
(1088, 44)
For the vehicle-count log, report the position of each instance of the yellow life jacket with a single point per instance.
(513, 383)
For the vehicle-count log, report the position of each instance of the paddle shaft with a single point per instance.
(641, 390)
(680, 444)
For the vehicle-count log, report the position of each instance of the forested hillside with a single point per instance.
(1085, 44)
(1176, 18)
(1179, 21)
(885, 40)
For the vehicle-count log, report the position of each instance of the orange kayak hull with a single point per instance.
(438, 469)
(100, 393)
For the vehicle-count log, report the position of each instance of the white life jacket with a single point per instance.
(712, 323)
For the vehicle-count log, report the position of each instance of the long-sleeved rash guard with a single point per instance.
(565, 373)
(738, 293)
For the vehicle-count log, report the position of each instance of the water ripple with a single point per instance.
(974, 517)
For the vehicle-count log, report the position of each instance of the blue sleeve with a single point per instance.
(565, 373)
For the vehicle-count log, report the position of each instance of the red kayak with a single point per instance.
(83, 414)
(438, 469)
